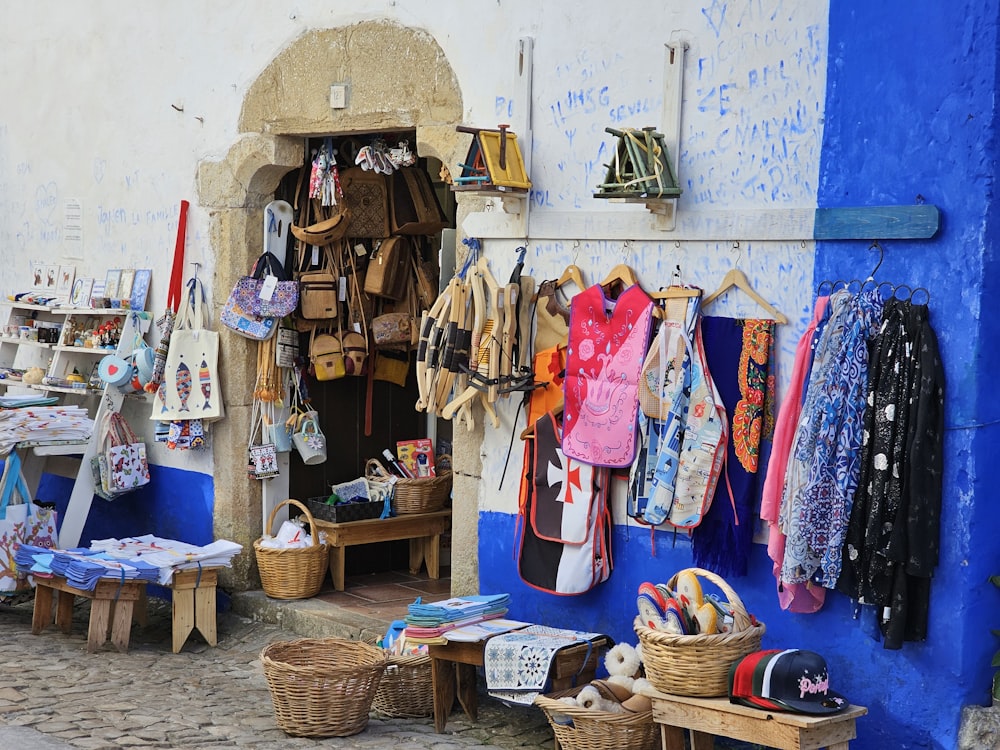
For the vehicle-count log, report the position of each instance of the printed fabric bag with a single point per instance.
(126, 457)
(262, 457)
(20, 522)
(267, 291)
(191, 388)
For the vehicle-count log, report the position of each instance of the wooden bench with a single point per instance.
(111, 609)
(422, 529)
(453, 673)
(706, 718)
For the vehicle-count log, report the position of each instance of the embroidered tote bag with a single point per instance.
(191, 388)
(601, 388)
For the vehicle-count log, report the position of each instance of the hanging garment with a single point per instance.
(740, 355)
(703, 443)
(828, 441)
(604, 358)
(565, 545)
(893, 536)
(551, 316)
(549, 369)
(794, 597)
(664, 394)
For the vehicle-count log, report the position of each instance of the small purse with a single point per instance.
(387, 271)
(319, 289)
(393, 330)
(326, 353)
(262, 457)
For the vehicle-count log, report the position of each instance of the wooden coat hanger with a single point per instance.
(676, 292)
(572, 273)
(622, 274)
(529, 431)
(736, 278)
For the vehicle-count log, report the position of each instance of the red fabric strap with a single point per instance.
(177, 272)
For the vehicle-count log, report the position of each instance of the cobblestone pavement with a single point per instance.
(56, 696)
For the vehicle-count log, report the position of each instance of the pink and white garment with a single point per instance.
(603, 366)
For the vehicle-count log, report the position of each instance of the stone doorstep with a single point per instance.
(308, 618)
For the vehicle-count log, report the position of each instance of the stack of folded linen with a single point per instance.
(427, 623)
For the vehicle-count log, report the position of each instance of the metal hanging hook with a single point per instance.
(881, 256)
(739, 253)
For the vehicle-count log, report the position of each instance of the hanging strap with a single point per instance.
(177, 272)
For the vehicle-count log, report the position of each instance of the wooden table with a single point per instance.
(111, 608)
(706, 718)
(453, 673)
(422, 529)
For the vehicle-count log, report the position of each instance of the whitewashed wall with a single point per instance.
(114, 103)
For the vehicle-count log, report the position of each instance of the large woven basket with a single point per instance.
(423, 495)
(322, 687)
(405, 691)
(698, 665)
(295, 573)
(578, 728)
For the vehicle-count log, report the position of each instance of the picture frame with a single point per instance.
(37, 274)
(64, 282)
(81, 292)
(51, 278)
(97, 294)
(111, 282)
(140, 288)
(125, 284)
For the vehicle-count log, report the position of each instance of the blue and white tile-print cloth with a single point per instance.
(517, 664)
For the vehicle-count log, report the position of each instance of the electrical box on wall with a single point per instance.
(338, 96)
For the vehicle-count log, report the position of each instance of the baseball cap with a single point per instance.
(792, 680)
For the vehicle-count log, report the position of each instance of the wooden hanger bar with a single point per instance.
(736, 278)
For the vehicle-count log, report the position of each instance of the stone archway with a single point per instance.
(289, 102)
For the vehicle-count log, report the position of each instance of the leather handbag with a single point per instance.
(367, 198)
(387, 271)
(413, 205)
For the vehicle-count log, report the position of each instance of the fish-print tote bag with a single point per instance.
(190, 387)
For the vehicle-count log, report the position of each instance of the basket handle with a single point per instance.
(741, 620)
(375, 470)
(309, 517)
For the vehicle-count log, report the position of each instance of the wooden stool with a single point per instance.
(111, 607)
(193, 593)
(707, 718)
(453, 673)
(422, 529)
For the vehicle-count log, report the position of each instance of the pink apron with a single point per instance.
(603, 365)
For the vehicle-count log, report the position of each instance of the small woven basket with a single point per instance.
(322, 687)
(698, 665)
(405, 691)
(424, 495)
(578, 728)
(294, 573)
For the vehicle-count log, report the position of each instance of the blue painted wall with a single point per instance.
(910, 118)
(176, 504)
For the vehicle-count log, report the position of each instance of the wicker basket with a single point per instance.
(423, 495)
(596, 730)
(322, 687)
(405, 691)
(698, 665)
(295, 573)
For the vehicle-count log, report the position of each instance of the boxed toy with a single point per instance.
(417, 456)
